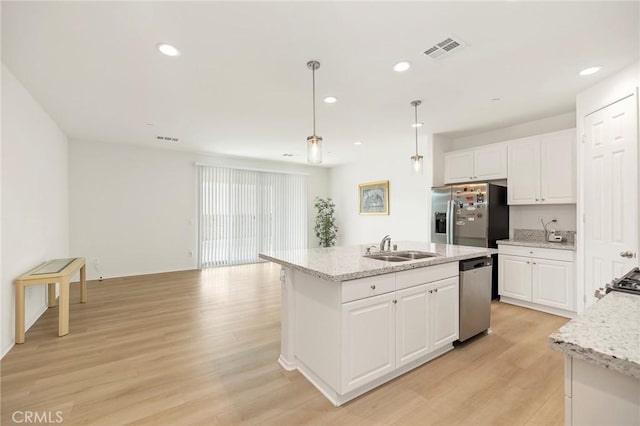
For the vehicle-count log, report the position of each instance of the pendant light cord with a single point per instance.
(313, 79)
(416, 126)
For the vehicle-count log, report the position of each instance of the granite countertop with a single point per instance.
(539, 244)
(347, 262)
(537, 238)
(606, 334)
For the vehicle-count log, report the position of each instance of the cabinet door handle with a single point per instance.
(627, 254)
(543, 199)
(537, 199)
(534, 263)
(530, 252)
(373, 287)
(470, 177)
(528, 262)
(436, 290)
(395, 300)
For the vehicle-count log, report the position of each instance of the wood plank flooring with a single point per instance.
(201, 348)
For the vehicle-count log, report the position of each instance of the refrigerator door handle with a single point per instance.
(450, 207)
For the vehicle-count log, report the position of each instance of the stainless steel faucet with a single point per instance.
(386, 239)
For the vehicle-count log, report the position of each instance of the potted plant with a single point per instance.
(325, 227)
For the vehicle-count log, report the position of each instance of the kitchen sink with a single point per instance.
(388, 257)
(415, 254)
(401, 256)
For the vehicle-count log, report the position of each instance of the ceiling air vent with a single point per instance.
(444, 48)
(167, 138)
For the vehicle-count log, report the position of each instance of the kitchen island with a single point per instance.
(602, 362)
(350, 323)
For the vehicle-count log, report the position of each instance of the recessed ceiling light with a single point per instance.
(496, 99)
(168, 49)
(589, 71)
(287, 155)
(402, 66)
(330, 99)
(357, 143)
(417, 124)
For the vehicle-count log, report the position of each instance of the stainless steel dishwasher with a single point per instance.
(475, 296)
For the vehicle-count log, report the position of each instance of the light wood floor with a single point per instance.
(201, 348)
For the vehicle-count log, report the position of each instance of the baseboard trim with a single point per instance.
(538, 307)
(287, 365)
(340, 399)
(27, 326)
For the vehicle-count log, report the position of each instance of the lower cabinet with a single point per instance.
(540, 281)
(385, 332)
(368, 340)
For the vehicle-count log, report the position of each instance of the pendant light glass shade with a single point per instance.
(416, 164)
(314, 142)
(416, 160)
(314, 149)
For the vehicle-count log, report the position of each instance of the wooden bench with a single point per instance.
(51, 272)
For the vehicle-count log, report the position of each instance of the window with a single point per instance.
(244, 212)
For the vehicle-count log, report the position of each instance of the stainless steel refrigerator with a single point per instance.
(472, 214)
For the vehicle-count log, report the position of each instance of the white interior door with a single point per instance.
(611, 193)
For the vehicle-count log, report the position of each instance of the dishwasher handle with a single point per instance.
(468, 265)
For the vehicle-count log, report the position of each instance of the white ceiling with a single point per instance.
(241, 86)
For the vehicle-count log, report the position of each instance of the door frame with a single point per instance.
(612, 90)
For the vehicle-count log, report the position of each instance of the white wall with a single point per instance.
(522, 130)
(35, 202)
(134, 209)
(409, 201)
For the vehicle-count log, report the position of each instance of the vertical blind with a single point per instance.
(245, 212)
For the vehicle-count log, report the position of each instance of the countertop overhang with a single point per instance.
(538, 244)
(345, 263)
(606, 334)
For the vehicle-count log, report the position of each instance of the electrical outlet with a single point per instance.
(554, 219)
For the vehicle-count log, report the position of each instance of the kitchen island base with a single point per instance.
(349, 337)
(595, 395)
(339, 399)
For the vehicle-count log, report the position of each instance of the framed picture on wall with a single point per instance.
(374, 198)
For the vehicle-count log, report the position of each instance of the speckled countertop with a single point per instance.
(538, 244)
(537, 238)
(347, 262)
(607, 334)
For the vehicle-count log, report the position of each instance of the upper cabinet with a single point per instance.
(542, 169)
(483, 163)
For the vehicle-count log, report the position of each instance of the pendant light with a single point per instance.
(314, 143)
(416, 160)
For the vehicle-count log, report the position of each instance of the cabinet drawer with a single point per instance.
(367, 287)
(541, 253)
(413, 277)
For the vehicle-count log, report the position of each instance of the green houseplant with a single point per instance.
(325, 227)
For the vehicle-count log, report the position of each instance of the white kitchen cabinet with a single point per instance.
(427, 319)
(444, 318)
(352, 336)
(383, 333)
(558, 168)
(413, 336)
(484, 163)
(368, 340)
(541, 169)
(552, 283)
(537, 278)
(514, 276)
